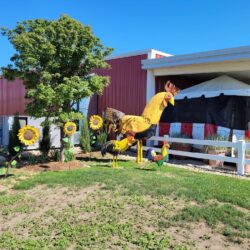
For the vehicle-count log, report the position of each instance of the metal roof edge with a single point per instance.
(238, 53)
(136, 53)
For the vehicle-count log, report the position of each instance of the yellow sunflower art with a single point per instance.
(28, 135)
(95, 122)
(69, 128)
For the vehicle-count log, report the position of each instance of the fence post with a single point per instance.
(241, 157)
(166, 137)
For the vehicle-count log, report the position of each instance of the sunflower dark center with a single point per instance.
(70, 128)
(28, 135)
(95, 122)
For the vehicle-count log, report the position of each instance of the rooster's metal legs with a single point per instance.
(114, 162)
(139, 151)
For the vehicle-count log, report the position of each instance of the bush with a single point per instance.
(247, 140)
(180, 135)
(216, 148)
(45, 143)
(102, 138)
(247, 151)
(84, 135)
(13, 139)
(55, 155)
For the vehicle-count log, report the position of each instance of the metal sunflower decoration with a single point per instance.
(28, 135)
(69, 128)
(95, 122)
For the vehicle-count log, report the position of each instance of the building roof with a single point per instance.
(232, 54)
(138, 52)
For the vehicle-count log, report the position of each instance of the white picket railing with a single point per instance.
(240, 146)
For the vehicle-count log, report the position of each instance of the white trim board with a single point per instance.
(226, 55)
(150, 52)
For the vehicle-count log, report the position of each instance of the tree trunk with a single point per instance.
(62, 149)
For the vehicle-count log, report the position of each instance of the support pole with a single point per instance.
(139, 151)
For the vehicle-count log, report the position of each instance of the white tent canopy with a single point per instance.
(220, 85)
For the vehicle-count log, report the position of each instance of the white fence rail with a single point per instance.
(240, 146)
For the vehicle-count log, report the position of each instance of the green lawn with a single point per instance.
(126, 208)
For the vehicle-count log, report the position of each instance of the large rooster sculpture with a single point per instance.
(144, 126)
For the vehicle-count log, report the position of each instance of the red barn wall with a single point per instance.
(12, 95)
(159, 56)
(127, 89)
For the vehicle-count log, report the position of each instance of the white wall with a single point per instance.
(54, 132)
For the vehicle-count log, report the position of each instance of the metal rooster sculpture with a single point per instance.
(140, 127)
(159, 159)
(115, 147)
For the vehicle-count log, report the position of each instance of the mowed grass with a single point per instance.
(132, 208)
(153, 181)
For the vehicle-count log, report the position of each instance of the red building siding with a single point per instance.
(126, 92)
(127, 89)
(159, 56)
(12, 97)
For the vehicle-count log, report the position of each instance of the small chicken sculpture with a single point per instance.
(116, 147)
(161, 158)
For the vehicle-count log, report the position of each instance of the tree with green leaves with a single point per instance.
(56, 59)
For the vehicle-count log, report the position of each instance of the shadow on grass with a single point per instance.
(104, 166)
(146, 169)
(3, 176)
(98, 159)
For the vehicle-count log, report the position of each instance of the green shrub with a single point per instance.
(45, 142)
(102, 138)
(180, 135)
(247, 140)
(216, 138)
(55, 155)
(84, 135)
(247, 151)
(68, 150)
(13, 139)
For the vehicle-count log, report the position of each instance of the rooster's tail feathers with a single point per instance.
(107, 147)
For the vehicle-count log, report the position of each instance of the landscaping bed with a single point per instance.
(54, 166)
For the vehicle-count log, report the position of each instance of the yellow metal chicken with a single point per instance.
(144, 126)
(115, 147)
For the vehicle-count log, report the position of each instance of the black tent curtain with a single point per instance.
(226, 111)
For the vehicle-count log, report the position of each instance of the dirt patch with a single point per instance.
(55, 166)
(97, 156)
(3, 188)
(116, 218)
(45, 199)
(203, 237)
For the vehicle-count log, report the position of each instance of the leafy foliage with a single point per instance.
(69, 150)
(56, 59)
(85, 135)
(102, 138)
(216, 148)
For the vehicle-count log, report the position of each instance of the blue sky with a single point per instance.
(172, 26)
